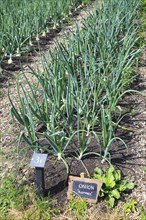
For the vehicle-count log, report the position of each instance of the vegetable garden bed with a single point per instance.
(77, 109)
(78, 92)
(26, 26)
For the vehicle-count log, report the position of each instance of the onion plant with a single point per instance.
(83, 80)
(22, 21)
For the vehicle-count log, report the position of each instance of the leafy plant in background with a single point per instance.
(113, 186)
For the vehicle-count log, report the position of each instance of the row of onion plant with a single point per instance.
(21, 21)
(75, 101)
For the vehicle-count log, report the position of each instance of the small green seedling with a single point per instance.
(130, 206)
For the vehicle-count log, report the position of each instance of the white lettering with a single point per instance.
(86, 186)
(85, 193)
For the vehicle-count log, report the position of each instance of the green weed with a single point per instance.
(113, 184)
(20, 202)
(130, 206)
(143, 215)
(78, 206)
